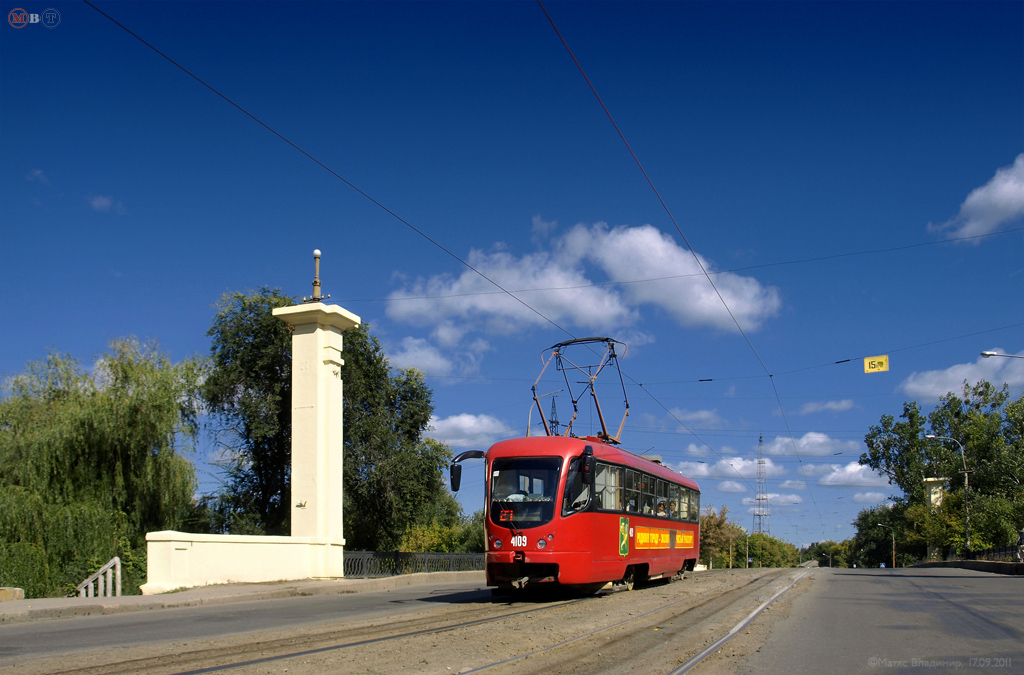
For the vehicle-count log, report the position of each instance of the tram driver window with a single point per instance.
(577, 493)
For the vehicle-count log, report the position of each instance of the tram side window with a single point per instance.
(673, 501)
(633, 482)
(609, 487)
(661, 494)
(648, 494)
(690, 504)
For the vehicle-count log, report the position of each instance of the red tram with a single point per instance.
(578, 512)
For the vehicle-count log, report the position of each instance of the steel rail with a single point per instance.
(370, 641)
(601, 630)
(447, 628)
(713, 647)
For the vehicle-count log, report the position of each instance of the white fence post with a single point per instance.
(104, 579)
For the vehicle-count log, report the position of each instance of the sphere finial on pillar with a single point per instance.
(316, 277)
(317, 296)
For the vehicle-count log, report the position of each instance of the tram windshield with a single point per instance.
(523, 490)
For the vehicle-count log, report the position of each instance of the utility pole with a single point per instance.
(761, 508)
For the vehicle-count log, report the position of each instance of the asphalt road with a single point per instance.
(42, 638)
(887, 622)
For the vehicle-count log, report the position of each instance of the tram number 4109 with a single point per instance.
(519, 540)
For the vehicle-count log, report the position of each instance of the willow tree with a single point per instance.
(91, 461)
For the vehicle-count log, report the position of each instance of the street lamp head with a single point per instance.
(988, 354)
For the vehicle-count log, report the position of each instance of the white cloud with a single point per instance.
(420, 354)
(472, 303)
(933, 384)
(682, 290)
(870, 497)
(729, 468)
(776, 500)
(999, 201)
(731, 486)
(853, 475)
(557, 282)
(831, 406)
(811, 444)
(37, 174)
(812, 470)
(793, 485)
(469, 431)
(704, 419)
(542, 229)
(106, 204)
(699, 450)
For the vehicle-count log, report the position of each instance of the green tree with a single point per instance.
(876, 528)
(898, 450)
(829, 553)
(90, 462)
(989, 427)
(719, 538)
(393, 475)
(248, 393)
(771, 552)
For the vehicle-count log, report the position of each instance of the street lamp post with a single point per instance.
(967, 512)
(893, 531)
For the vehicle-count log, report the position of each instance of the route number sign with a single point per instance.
(876, 364)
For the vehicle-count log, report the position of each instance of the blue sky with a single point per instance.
(818, 158)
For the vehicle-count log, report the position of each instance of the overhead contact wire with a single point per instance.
(679, 229)
(328, 169)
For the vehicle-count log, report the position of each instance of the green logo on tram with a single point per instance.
(623, 536)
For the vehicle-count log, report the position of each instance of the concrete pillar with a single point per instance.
(317, 448)
(933, 491)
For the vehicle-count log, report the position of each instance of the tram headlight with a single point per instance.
(497, 543)
(541, 543)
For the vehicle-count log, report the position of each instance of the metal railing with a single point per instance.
(106, 580)
(1010, 553)
(366, 564)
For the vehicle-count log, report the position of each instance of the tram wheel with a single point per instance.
(629, 581)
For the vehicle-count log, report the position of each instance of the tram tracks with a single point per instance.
(624, 632)
(653, 642)
(229, 654)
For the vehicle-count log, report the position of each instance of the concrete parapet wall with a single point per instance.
(980, 566)
(180, 560)
(8, 594)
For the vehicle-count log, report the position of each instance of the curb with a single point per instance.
(47, 609)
